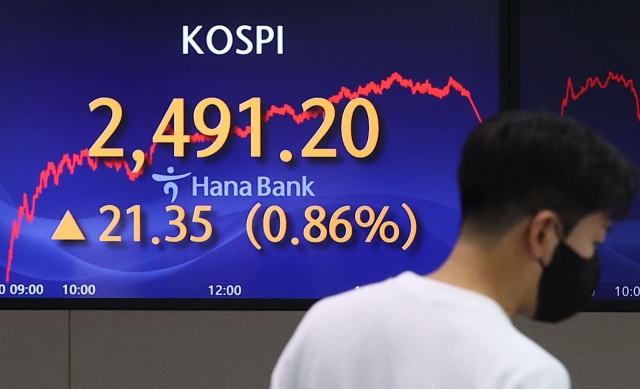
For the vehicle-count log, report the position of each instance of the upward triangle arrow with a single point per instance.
(68, 229)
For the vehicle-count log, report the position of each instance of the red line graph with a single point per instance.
(592, 82)
(68, 163)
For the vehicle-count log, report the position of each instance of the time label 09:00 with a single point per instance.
(22, 289)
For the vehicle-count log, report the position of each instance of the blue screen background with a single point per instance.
(57, 59)
(570, 40)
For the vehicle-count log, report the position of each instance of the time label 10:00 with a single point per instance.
(627, 291)
(219, 134)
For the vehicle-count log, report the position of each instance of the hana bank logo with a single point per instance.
(169, 185)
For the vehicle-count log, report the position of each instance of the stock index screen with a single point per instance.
(234, 149)
(580, 59)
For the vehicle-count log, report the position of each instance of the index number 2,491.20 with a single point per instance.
(219, 134)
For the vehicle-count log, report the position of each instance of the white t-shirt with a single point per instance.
(413, 332)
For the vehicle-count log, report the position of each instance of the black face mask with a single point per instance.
(566, 284)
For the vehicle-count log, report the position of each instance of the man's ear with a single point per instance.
(542, 237)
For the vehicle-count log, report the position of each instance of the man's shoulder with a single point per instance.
(422, 297)
(366, 303)
(419, 329)
(519, 362)
(409, 309)
(433, 316)
(531, 366)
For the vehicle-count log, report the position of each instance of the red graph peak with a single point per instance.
(68, 163)
(592, 82)
(378, 88)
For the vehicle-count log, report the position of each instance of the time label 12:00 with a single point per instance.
(219, 134)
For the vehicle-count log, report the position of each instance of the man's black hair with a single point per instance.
(519, 163)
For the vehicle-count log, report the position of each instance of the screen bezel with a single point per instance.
(510, 95)
(509, 92)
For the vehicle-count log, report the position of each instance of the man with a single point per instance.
(538, 194)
